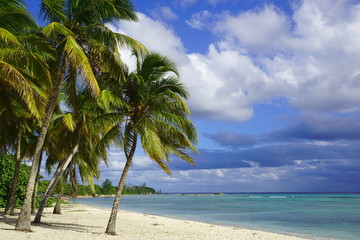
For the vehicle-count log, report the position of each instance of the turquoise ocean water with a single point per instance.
(317, 216)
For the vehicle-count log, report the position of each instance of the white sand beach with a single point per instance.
(85, 222)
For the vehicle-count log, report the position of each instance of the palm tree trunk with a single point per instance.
(3, 150)
(36, 187)
(9, 209)
(53, 182)
(72, 180)
(57, 208)
(24, 220)
(112, 220)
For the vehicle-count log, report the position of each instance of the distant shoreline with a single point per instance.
(96, 196)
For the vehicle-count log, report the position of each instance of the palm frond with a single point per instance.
(69, 122)
(56, 30)
(126, 41)
(53, 10)
(94, 11)
(14, 80)
(105, 60)
(70, 90)
(8, 38)
(37, 44)
(110, 136)
(107, 100)
(14, 17)
(171, 84)
(151, 141)
(31, 64)
(78, 60)
(125, 10)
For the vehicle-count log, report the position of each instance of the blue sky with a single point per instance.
(274, 93)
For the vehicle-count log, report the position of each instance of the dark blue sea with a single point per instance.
(316, 216)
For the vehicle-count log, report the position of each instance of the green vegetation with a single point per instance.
(7, 166)
(107, 188)
(142, 189)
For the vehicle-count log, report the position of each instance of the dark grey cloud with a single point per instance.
(271, 156)
(334, 175)
(231, 139)
(319, 128)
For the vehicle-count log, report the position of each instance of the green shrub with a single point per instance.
(107, 188)
(7, 166)
(50, 202)
(43, 184)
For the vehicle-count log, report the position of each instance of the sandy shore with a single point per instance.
(84, 222)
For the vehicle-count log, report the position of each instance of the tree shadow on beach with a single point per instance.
(65, 226)
(11, 222)
(8, 220)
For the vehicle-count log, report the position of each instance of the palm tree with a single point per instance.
(76, 130)
(85, 48)
(156, 114)
(24, 145)
(23, 106)
(24, 74)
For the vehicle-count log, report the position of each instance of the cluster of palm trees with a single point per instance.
(65, 91)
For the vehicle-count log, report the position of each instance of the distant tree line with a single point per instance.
(107, 188)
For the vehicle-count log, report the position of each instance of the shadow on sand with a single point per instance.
(11, 222)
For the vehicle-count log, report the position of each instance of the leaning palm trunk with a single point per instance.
(53, 183)
(52, 180)
(9, 209)
(57, 208)
(112, 220)
(33, 204)
(24, 220)
(59, 189)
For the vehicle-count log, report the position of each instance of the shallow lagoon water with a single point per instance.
(319, 216)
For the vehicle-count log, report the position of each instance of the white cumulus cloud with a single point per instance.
(256, 30)
(164, 12)
(310, 58)
(200, 20)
